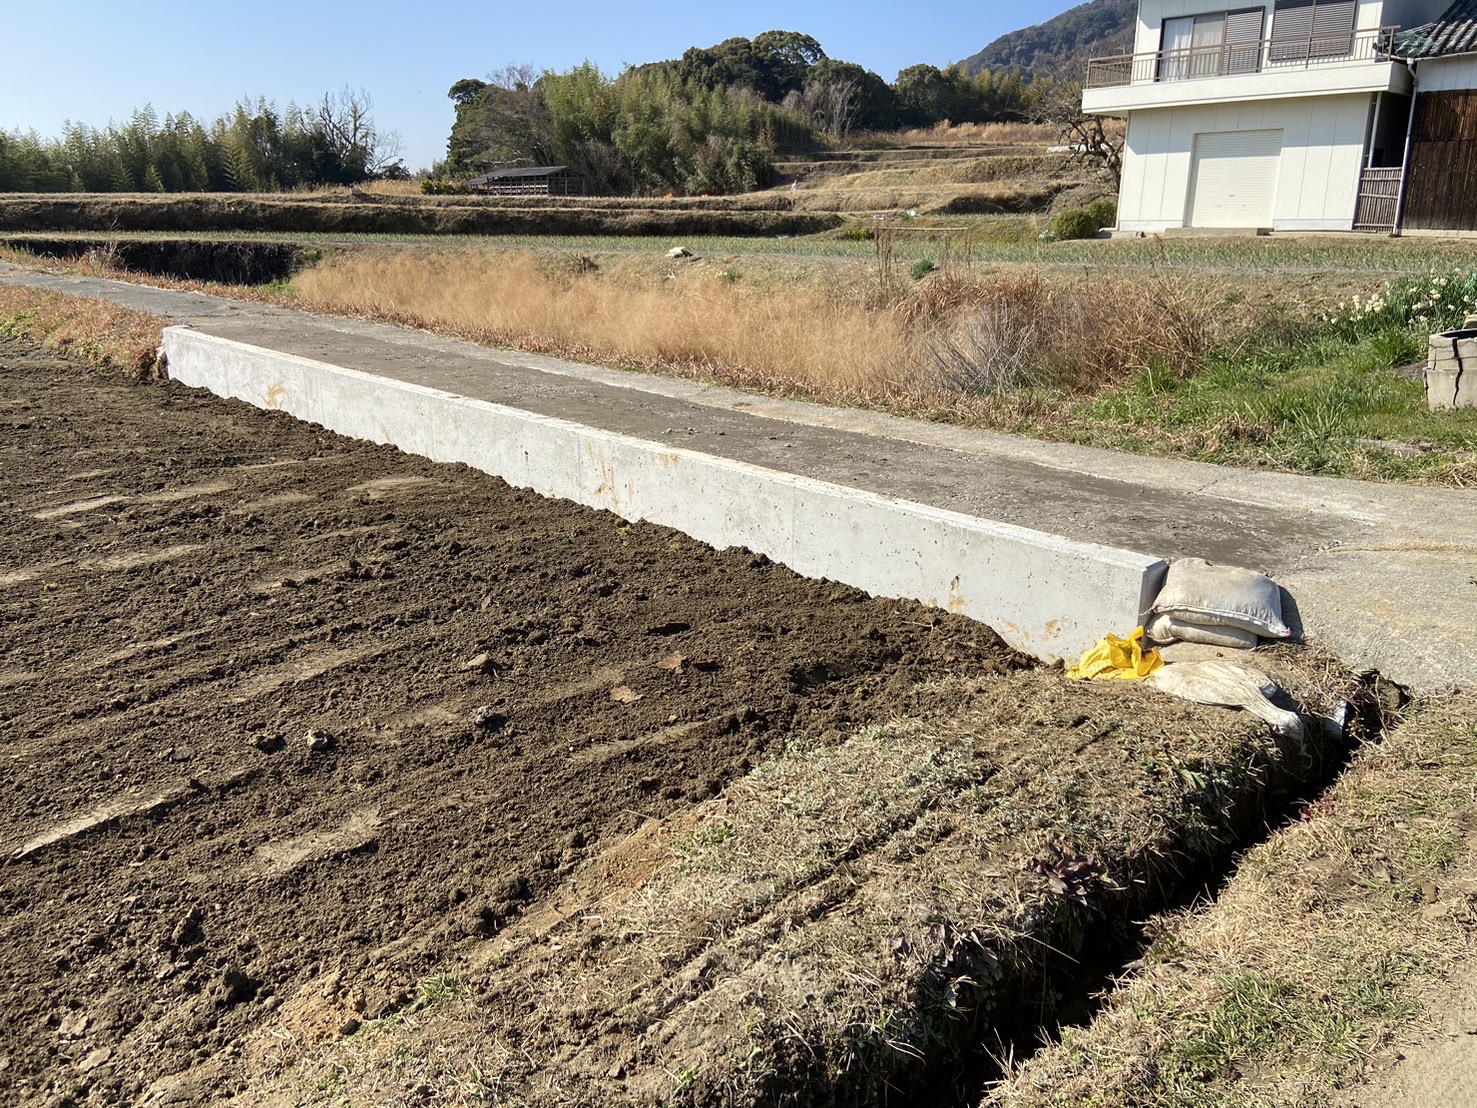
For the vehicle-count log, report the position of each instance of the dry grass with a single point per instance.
(382, 188)
(1026, 174)
(1082, 335)
(699, 324)
(979, 134)
(1038, 135)
(94, 330)
(850, 920)
(842, 195)
(1028, 181)
(912, 346)
(1323, 953)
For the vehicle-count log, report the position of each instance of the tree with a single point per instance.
(255, 147)
(876, 104)
(465, 91)
(923, 95)
(1061, 106)
(789, 56)
(353, 148)
(499, 122)
(733, 63)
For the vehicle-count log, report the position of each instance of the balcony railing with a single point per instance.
(1269, 55)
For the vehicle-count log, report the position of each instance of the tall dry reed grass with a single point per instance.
(955, 337)
(1082, 335)
(804, 340)
(373, 188)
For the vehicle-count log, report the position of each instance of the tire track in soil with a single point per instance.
(452, 645)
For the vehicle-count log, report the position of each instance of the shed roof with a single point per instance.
(1454, 33)
(523, 171)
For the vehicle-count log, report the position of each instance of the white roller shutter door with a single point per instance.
(1233, 178)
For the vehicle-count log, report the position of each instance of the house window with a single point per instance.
(1304, 29)
(1211, 44)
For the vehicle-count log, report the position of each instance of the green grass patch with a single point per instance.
(998, 239)
(1330, 401)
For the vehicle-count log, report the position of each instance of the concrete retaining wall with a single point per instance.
(1045, 595)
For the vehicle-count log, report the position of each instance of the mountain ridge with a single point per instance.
(1060, 47)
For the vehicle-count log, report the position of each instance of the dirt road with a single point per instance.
(275, 705)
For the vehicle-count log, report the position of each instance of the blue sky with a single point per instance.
(91, 61)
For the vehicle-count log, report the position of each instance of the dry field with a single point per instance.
(335, 774)
(280, 706)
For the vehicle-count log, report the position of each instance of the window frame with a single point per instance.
(1228, 56)
(1320, 33)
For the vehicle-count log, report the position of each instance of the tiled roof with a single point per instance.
(1454, 33)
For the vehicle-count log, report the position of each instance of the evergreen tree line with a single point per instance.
(255, 148)
(711, 121)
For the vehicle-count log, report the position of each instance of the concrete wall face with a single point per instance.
(1284, 83)
(1448, 74)
(1318, 183)
(1048, 596)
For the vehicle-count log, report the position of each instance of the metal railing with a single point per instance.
(1268, 55)
(538, 186)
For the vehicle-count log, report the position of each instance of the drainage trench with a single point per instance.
(223, 261)
(1071, 991)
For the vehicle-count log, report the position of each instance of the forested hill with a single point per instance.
(1058, 47)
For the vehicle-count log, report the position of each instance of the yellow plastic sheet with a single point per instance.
(1116, 659)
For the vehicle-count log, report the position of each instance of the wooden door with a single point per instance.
(1441, 189)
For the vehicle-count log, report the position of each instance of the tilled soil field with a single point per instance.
(276, 705)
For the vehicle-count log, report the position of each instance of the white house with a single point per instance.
(1296, 115)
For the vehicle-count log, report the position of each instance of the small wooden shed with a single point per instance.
(536, 180)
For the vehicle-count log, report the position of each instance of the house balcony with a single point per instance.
(1315, 65)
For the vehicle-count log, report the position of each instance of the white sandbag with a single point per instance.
(1227, 685)
(1167, 629)
(1195, 591)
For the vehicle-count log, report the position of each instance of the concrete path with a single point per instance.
(1384, 575)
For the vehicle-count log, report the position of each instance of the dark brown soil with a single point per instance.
(275, 704)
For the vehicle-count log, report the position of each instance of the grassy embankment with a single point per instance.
(311, 213)
(1328, 950)
(849, 919)
(94, 331)
(1161, 356)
